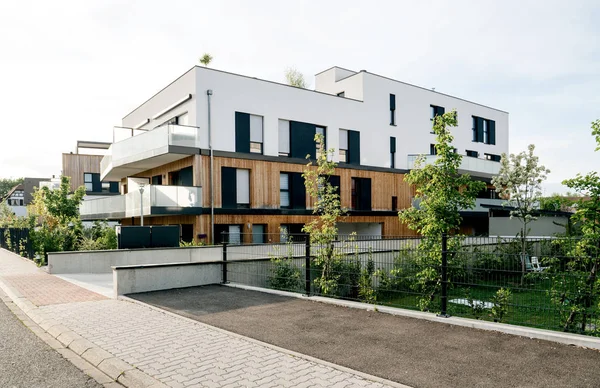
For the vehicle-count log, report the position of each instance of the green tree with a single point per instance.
(596, 132)
(55, 215)
(6, 184)
(206, 59)
(579, 289)
(327, 207)
(442, 193)
(295, 78)
(519, 182)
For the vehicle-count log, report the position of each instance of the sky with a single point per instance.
(70, 70)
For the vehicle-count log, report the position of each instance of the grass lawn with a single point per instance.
(530, 305)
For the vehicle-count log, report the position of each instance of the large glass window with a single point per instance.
(284, 190)
(88, 181)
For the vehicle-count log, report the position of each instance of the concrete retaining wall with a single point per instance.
(142, 278)
(103, 261)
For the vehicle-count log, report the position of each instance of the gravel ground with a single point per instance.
(410, 351)
(26, 361)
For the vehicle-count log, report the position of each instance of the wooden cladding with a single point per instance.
(75, 165)
(265, 190)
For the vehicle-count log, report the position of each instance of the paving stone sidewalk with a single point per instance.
(174, 350)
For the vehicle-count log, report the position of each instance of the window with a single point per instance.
(341, 94)
(284, 190)
(256, 134)
(436, 111)
(432, 149)
(259, 234)
(248, 133)
(484, 130)
(284, 138)
(243, 188)
(157, 180)
(394, 203)
(292, 192)
(297, 139)
(231, 234)
(361, 194)
(235, 188)
(291, 232)
(106, 187)
(323, 147)
(486, 138)
(343, 146)
(492, 157)
(392, 152)
(392, 109)
(349, 147)
(472, 154)
(87, 180)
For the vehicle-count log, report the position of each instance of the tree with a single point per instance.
(295, 78)
(442, 193)
(55, 215)
(323, 228)
(6, 184)
(584, 256)
(206, 59)
(596, 132)
(519, 182)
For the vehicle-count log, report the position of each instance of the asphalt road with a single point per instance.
(410, 351)
(26, 361)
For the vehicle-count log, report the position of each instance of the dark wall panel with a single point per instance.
(242, 132)
(298, 191)
(353, 147)
(302, 139)
(228, 187)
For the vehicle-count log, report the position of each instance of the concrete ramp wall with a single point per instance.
(103, 261)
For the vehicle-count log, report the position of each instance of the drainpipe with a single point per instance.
(212, 188)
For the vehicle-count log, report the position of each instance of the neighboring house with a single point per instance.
(260, 133)
(22, 195)
(15, 199)
(546, 224)
(83, 167)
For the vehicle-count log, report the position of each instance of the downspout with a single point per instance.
(211, 174)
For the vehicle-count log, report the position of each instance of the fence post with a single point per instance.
(223, 239)
(307, 264)
(444, 296)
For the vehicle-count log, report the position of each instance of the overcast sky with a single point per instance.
(70, 70)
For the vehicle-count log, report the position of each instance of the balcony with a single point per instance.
(135, 151)
(157, 200)
(473, 166)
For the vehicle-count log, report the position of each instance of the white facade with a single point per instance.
(16, 203)
(365, 108)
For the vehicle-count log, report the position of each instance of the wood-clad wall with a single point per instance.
(165, 169)
(75, 165)
(264, 183)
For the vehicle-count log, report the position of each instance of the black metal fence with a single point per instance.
(544, 283)
(17, 240)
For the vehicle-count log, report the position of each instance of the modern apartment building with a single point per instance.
(215, 151)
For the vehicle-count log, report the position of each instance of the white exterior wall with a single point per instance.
(365, 109)
(174, 92)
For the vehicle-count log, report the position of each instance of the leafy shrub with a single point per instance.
(501, 300)
(285, 275)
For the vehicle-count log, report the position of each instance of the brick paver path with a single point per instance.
(177, 351)
(42, 289)
(180, 352)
